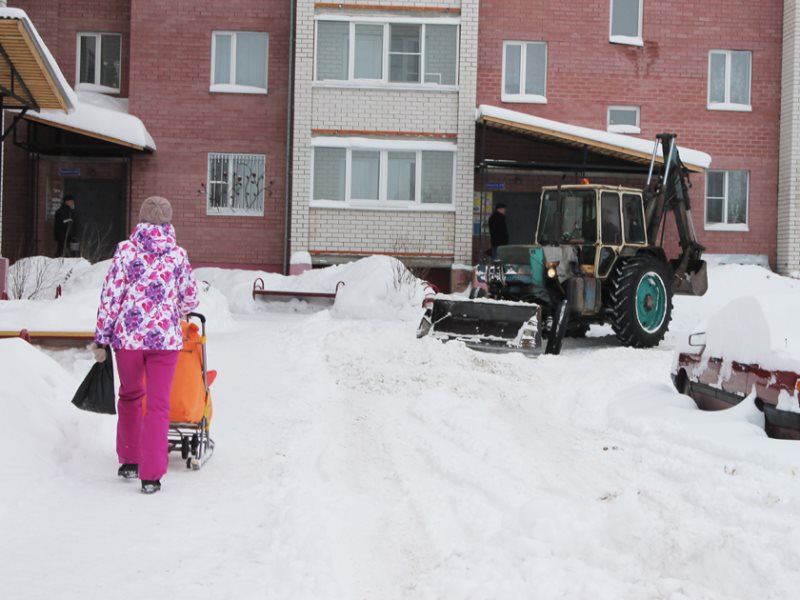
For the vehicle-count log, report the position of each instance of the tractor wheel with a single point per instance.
(641, 301)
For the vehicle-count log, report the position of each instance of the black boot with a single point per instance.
(128, 471)
(150, 487)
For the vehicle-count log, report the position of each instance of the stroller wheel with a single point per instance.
(184, 447)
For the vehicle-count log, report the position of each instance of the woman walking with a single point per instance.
(147, 290)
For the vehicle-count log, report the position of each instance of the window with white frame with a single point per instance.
(626, 22)
(726, 199)
(385, 176)
(729, 76)
(235, 184)
(99, 62)
(401, 53)
(623, 119)
(239, 62)
(524, 72)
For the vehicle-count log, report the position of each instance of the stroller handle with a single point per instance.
(198, 315)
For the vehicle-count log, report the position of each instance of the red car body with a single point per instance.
(711, 391)
(750, 345)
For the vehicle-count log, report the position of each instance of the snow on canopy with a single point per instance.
(627, 142)
(20, 15)
(99, 115)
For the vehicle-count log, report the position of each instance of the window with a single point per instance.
(235, 184)
(726, 200)
(387, 53)
(388, 175)
(634, 219)
(729, 74)
(626, 22)
(524, 72)
(239, 62)
(623, 119)
(99, 62)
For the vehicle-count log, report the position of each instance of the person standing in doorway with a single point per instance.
(498, 232)
(65, 227)
(148, 288)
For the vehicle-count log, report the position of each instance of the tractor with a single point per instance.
(597, 258)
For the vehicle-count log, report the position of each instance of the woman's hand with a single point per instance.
(100, 354)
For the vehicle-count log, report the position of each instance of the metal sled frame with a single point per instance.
(322, 299)
(193, 439)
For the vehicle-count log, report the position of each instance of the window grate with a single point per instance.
(236, 183)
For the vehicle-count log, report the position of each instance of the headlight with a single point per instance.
(551, 270)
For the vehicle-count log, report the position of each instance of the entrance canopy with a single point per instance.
(614, 145)
(101, 117)
(32, 83)
(29, 76)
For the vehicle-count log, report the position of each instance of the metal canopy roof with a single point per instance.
(29, 79)
(623, 147)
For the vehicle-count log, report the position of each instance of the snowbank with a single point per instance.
(376, 287)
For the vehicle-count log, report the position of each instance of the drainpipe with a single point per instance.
(287, 187)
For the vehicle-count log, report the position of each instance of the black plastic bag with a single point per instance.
(96, 393)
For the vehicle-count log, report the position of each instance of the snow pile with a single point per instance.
(726, 282)
(763, 330)
(37, 277)
(376, 287)
(38, 422)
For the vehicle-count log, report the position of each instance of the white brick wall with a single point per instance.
(789, 164)
(370, 231)
(385, 110)
(324, 107)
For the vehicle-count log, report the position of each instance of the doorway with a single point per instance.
(522, 215)
(100, 209)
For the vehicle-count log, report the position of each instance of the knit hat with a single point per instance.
(155, 210)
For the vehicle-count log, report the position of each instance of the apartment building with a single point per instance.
(349, 129)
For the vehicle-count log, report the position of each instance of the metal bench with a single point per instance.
(320, 299)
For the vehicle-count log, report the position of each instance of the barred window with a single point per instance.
(235, 184)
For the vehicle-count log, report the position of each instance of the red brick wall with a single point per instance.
(667, 78)
(170, 77)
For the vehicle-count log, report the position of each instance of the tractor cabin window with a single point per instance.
(726, 200)
(235, 184)
(99, 62)
(626, 22)
(421, 53)
(239, 62)
(383, 177)
(729, 80)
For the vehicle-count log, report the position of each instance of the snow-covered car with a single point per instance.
(750, 346)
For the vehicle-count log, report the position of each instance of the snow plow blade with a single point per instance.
(483, 324)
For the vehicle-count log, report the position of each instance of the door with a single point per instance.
(100, 210)
(522, 215)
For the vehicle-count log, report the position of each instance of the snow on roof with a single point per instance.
(50, 63)
(623, 142)
(99, 116)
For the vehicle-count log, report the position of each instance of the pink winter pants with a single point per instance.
(141, 439)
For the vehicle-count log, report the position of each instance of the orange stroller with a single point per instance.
(190, 400)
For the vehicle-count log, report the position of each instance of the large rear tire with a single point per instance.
(641, 301)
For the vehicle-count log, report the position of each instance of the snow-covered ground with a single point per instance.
(356, 461)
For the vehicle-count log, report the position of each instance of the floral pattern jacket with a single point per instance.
(147, 290)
